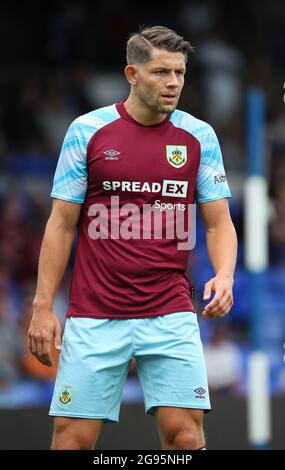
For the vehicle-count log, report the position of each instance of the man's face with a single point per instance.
(160, 80)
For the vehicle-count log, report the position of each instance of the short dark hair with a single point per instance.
(139, 44)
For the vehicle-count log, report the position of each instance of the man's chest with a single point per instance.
(136, 160)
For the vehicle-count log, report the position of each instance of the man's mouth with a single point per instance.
(170, 96)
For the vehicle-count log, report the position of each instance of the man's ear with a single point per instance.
(131, 74)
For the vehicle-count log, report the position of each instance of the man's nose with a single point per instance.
(173, 80)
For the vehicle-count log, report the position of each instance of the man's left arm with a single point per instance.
(222, 250)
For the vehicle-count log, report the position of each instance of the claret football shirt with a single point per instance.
(135, 184)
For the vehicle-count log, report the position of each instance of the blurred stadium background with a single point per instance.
(61, 59)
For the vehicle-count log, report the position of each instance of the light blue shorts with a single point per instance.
(96, 355)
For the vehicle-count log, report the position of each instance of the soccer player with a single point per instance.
(130, 293)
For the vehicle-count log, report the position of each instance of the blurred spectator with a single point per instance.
(277, 228)
(222, 67)
(38, 214)
(11, 344)
(21, 118)
(56, 115)
(277, 173)
(107, 88)
(198, 17)
(13, 235)
(77, 94)
(223, 361)
(10, 288)
(22, 223)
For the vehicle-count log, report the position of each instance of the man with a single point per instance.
(130, 294)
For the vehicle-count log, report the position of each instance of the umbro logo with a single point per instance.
(112, 154)
(200, 392)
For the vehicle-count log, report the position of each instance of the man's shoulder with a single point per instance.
(191, 124)
(96, 118)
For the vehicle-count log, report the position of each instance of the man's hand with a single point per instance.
(221, 304)
(44, 328)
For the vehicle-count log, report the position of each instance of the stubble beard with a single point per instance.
(154, 104)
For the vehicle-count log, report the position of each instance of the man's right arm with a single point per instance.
(54, 255)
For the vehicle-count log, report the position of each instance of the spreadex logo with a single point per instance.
(171, 188)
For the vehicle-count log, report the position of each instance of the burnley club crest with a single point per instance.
(176, 155)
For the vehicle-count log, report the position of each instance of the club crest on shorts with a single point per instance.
(176, 155)
(66, 395)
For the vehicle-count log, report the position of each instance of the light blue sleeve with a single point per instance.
(70, 179)
(211, 178)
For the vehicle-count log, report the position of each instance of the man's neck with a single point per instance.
(141, 113)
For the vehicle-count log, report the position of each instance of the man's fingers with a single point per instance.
(39, 343)
(216, 300)
(57, 339)
(41, 355)
(47, 357)
(222, 301)
(41, 350)
(221, 296)
(46, 360)
(219, 311)
(207, 294)
(46, 347)
(43, 331)
(33, 348)
(207, 290)
(220, 307)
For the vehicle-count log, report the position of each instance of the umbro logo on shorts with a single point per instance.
(200, 392)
